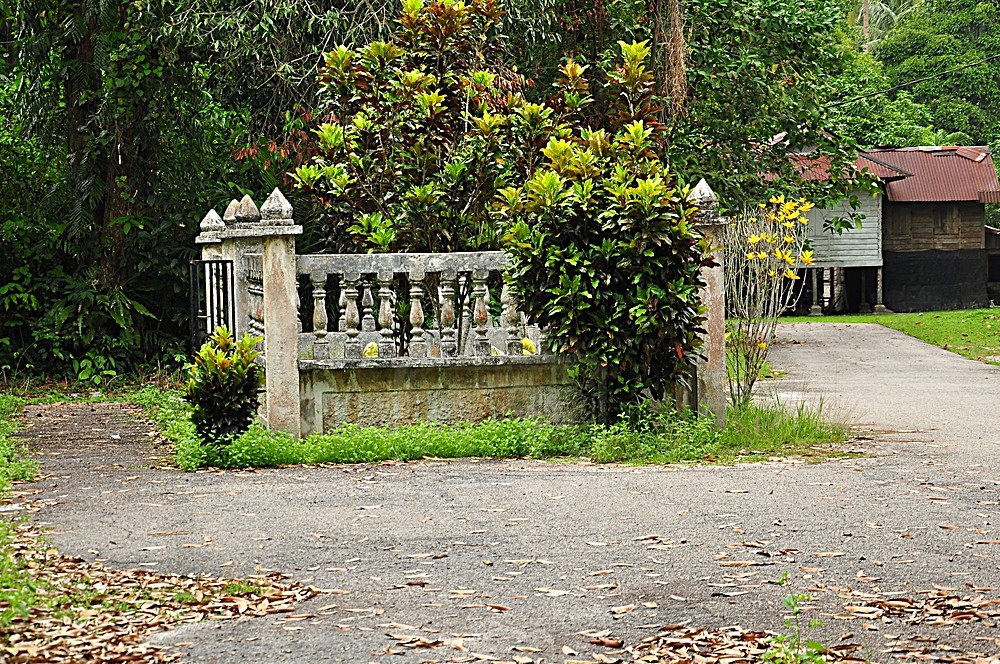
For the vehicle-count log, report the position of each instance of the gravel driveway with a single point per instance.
(531, 561)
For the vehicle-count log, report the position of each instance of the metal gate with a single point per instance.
(212, 290)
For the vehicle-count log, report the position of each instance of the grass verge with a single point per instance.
(14, 462)
(972, 333)
(755, 432)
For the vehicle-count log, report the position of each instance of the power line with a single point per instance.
(914, 82)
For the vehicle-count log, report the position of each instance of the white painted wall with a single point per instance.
(861, 247)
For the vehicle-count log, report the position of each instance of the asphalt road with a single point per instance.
(529, 559)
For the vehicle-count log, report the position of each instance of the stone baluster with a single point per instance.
(255, 292)
(342, 306)
(512, 317)
(321, 347)
(543, 343)
(386, 345)
(449, 342)
(466, 305)
(481, 312)
(352, 318)
(367, 306)
(418, 344)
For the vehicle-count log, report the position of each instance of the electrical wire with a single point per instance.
(914, 82)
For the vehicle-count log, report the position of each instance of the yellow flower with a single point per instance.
(751, 255)
(771, 273)
(789, 239)
(777, 200)
(789, 225)
(805, 206)
(753, 239)
(807, 257)
(804, 220)
(762, 255)
(784, 256)
(762, 345)
(790, 274)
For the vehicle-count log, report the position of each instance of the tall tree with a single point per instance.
(955, 45)
(127, 113)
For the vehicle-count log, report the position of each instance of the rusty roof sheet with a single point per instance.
(940, 174)
(818, 168)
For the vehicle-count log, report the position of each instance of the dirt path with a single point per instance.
(529, 561)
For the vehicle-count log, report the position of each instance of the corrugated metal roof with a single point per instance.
(940, 174)
(818, 168)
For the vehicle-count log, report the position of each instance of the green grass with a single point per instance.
(17, 589)
(972, 333)
(14, 463)
(755, 432)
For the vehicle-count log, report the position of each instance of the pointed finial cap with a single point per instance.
(229, 216)
(247, 212)
(276, 210)
(212, 223)
(703, 196)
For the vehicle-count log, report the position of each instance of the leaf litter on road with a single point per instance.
(89, 612)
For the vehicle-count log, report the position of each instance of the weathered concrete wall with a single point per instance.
(393, 393)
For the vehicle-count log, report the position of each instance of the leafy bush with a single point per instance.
(417, 132)
(223, 384)
(604, 254)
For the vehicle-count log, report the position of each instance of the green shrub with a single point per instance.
(223, 386)
(604, 253)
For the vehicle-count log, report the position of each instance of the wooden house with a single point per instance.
(934, 227)
(920, 246)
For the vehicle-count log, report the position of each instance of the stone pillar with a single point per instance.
(269, 231)
(711, 377)
(231, 237)
(880, 307)
(281, 310)
(817, 284)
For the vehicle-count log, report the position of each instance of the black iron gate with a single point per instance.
(212, 290)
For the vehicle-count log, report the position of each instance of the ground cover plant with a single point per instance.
(14, 464)
(754, 432)
(971, 333)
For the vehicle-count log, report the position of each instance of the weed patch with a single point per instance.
(14, 462)
(754, 432)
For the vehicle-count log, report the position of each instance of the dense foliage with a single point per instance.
(126, 121)
(120, 121)
(417, 133)
(604, 255)
(938, 37)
